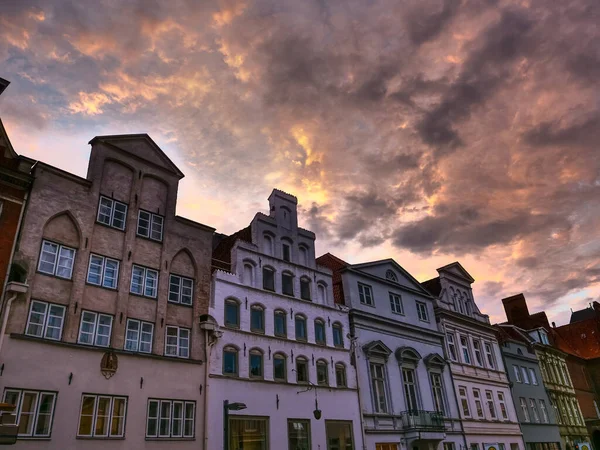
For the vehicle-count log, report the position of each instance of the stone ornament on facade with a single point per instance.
(109, 364)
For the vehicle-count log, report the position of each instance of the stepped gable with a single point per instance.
(222, 252)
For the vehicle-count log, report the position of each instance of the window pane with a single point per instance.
(248, 433)
(301, 371)
(171, 344)
(279, 372)
(120, 211)
(118, 417)
(287, 284)
(37, 317)
(230, 362)
(340, 375)
(337, 336)
(137, 279)
(102, 416)
(151, 283)
(300, 328)
(188, 427)
(104, 210)
(48, 257)
(26, 418)
(339, 435)
(157, 227)
(103, 332)
(65, 262)
(257, 319)
(174, 284)
(132, 335)
(42, 426)
(187, 290)
(152, 425)
(256, 365)
(165, 418)
(88, 326)
(12, 398)
(143, 228)
(231, 314)
(95, 270)
(111, 273)
(146, 337)
(184, 342)
(87, 416)
(268, 279)
(322, 377)
(177, 421)
(55, 322)
(299, 434)
(319, 332)
(305, 289)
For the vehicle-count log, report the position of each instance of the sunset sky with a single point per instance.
(428, 131)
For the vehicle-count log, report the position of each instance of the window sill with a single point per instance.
(179, 304)
(115, 289)
(170, 438)
(237, 378)
(34, 438)
(107, 438)
(102, 224)
(135, 294)
(51, 275)
(147, 238)
(287, 339)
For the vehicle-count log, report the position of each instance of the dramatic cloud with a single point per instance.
(426, 130)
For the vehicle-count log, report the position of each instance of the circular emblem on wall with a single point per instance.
(585, 446)
(109, 364)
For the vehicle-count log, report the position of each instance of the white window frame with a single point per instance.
(451, 341)
(103, 268)
(396, 303)
(365, 294)
(502, 403)
(94, 333)
(376, 382)
(517, 372)
(525, 375)
(438, 390)
(184, 418)
(544, 410)
(35, 414)
(463, 396)
(144, 283)
(152, 223)
(489, 354)
(525, 409)
(479, 409)
(110, 416)
(179, 349)
(534, 410)
(465, 351)
(140, 334)
(111, 217)
(45, 320)
(422, 312)
(57, 255)
(533, 377)
(477, 350)
(491, 404)
(180, 281)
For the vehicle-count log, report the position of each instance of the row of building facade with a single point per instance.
(124, 322)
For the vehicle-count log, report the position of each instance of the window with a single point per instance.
(298, 434)
(268, 245)
(268, 279)
(366, 294)
(301, 369)
(525, 376)
(396, 303)
(138, 337)
(95, 329)
(478, 403)
(102, 416)
(464, 401)
(232, 313)
(181, 290)
(300, 322)
(378, 387)
(304, 288)
(386, 446)
(544, 411)
(170, 419)
(422, 311)
(279, 367)
(449, 446)
(340, 375)
(103, 271)
(518, 378)
(150, 225)
(451, 347)
(34, 411)
(248, 432)
(144, 281)
(390, 275)
(410, 389)
(177, 342)
(338, 336)
(322, 375)
(286, 251)
(303, 255)
(45, 320)
(280, 323)
(320, 332)
(248, 275)
(322, 293)
(112, 213)
(438, 391)
(533, 376)
(230, 361)
(502, 403)
(544, 338)
(489, 355)
(464, 347)
(287, 283)
(534, 410)
(478, 355)
(257, 319)
(256, 364)
(56, 259)
(489, 397)
(339, 435)
(595, 407)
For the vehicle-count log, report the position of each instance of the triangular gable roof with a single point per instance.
(377, 348)
(5, 142)
(121, 140)
(416, 285)
(458, 269)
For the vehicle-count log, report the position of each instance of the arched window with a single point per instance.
(287, 283)
(305, 288)
(322, 375)
(268, 278)
(320, 331)
(286, 215)
(280, 323)
(256, 363)
(248, 274)
(301, 369)
(322, 293)
(279, 367)
(340, 375)
(390, 275)
(268, 244)
(303, 255)
(257, 319)
(232, 313)
(338, 335)
(230, 360)
(286, 249)
(300, 322)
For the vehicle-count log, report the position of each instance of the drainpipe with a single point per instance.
(353, 352)
(16, 289)
(211, 336)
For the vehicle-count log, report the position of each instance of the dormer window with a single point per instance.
(391, 276)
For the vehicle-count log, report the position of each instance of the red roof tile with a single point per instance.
(336, 265)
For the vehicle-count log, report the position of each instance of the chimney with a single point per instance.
(553, 324)
(516, 309)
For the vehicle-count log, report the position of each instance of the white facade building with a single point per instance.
(480, 382)
(280, 345)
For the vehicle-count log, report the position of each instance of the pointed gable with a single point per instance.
(391, 271)
(377, 349)
(457, 270)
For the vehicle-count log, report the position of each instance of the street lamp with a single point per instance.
(226, 408)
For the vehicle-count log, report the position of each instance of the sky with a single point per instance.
(428, 131)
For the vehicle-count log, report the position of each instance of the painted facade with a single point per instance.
(482, 388)
(406, 390)
(280, 343)
(105, 344)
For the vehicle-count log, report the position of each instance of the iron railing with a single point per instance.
(422, 420)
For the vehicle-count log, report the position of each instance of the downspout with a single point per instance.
(5, 319)
(210, 339)
(354, 355)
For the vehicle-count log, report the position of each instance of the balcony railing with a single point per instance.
(422, 420)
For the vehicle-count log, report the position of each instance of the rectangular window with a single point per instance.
(477, 351)
(287, 283)
(517, 372)
(298, 434)
(45, 320)
(144, 281)
(181, 290)
(533, 377)
(410, 389)
(422, 311)
(339, 435)
(489, 354)
(268, 279)
(112, 213)
(248, 432)
(138, 337)
(177, 342)
(544, 411)
(464, 348)
(396, 303)
(534, 410)
(386, 446)
(449, 446)
(464, 401)
(378, 387)
(489, 397)
(34, 411)
(150, 225)
(170, 419)
(56, 259)
(280, 324)
(438, 392)
(286, 252)
(304, 289)
(502, 403)
(524, 374)
(524, 409)
(95, 329)
(478, 403)
(365, 294)
(102, 416)
(103, 271)
(451, 347)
